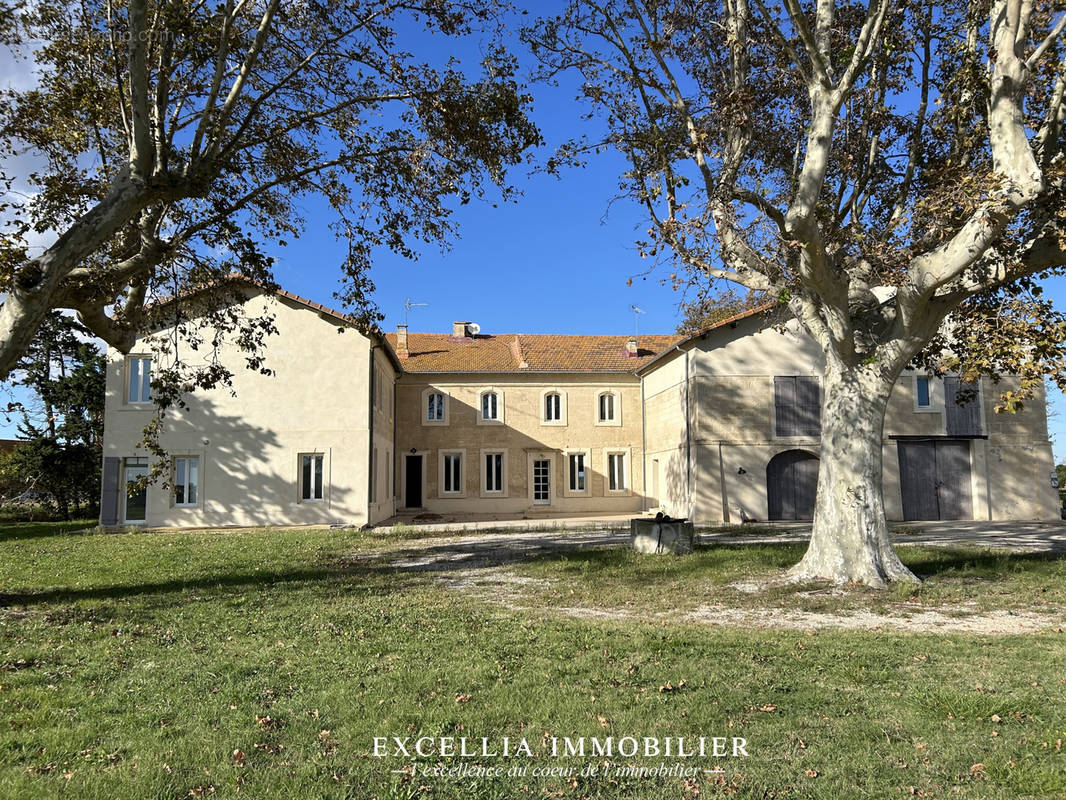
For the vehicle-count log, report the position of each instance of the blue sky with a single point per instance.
(556, 261)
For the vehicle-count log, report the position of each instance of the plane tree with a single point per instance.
(876, 167)
(156, 146)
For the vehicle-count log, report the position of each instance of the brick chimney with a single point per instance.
(401, 342)
(631, 350)
(459, 330)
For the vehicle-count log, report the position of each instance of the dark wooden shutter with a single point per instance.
(785, 406)
(797, 406)
(808, 407)
(109, 491)
(965, 419)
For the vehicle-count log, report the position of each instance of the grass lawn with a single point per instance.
(262, 664)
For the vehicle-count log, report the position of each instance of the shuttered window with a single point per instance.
(963, 419)
(797, 406)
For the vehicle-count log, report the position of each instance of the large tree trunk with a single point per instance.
(849, 542)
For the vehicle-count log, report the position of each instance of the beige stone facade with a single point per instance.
(522, 436)
(711, 431)
(351, 429)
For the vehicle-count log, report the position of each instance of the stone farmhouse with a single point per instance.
(719, 426)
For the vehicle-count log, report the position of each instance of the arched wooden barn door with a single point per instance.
(791, 484)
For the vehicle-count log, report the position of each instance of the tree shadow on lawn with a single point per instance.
(927, 561)
(380, 573)
(990, 563)
(14, 531)
(378, 578)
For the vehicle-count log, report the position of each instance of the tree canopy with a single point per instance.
(876, 165)
(173, 140)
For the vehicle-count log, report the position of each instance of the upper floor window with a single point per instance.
(553, 407)
(922, 383)
(140, 379)
(311, 476)
(435, 407)
(607, 408)
(797, 406)
(490, 406)
(186, 480)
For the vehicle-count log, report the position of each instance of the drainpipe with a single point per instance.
(721, 483)
(395, 453)
(643, 448)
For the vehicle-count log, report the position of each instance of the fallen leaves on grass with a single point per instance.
(267, 723)
(669, 687)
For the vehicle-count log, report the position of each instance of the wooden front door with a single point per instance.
(413, 481)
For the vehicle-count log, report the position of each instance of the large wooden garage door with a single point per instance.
(791, 485)
(935, 479)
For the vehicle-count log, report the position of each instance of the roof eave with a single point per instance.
(703, 332)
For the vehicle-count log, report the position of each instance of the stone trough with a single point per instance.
(662, 535)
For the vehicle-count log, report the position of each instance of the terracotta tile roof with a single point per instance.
(441, 352)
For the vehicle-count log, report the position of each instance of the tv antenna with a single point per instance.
(636, 319)
(407, 306)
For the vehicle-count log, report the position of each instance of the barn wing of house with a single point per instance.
(719, 426)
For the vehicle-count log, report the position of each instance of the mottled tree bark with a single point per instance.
(850, 541)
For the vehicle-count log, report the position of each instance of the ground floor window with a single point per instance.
(616, 472)
(186, 480)
(578, 477)
(453, 473)
(494, 472)
(311, 476)
(135, 509)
